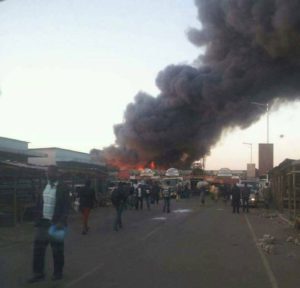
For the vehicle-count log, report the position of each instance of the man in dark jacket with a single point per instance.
(140, 197)
(118, 200)
(236, 198)
(52, 211)
(156, 192)
(148, 193)
(167, 197)
(226, 193)
(87, 199)
(245, 197)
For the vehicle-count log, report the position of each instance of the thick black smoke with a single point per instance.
(252, 53)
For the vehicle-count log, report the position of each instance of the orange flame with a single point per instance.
(152, 165)
(140, 168)
(124, 166)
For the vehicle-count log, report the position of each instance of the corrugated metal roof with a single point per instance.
(23, 165)
(21, 152)
(5, 138)
(57, 148)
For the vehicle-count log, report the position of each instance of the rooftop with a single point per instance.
(4, 138)
(57, 148)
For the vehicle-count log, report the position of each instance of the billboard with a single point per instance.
(265, 158)
(251, 172)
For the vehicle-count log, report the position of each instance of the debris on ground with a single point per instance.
(293, 240)
(270, 215)
(292, 255)
(267, 243)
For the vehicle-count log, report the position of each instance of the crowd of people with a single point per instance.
(127, 195)
(52, 212)
(53, 206)
(239, 196)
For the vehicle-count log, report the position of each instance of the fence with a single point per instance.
(20, 184)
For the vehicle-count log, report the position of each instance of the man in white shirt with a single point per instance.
(52, 210)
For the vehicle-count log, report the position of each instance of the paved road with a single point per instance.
(193, 246)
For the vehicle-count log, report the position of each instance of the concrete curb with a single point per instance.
(283, 217)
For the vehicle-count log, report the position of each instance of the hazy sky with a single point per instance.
(68, 68)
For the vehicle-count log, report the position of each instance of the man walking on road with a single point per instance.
(267, 195)
(236, 198)
(167, 196)
(226, 193)
(87, 201)
(156, 192)
(118, 200)
(202, 194)
(140, 197)
(52, 210)
(148, 193)
(245, 197)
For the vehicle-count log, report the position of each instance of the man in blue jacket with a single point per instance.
(52, 210)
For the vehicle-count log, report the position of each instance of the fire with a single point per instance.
(122, 164)
(140, 168)
(124, 159)
(152, 165)
(125, 166)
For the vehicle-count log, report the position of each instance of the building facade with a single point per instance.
(265, 158)
(285, 186)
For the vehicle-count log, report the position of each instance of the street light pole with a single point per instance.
(267, 110)
(250, 150)
(267, 106)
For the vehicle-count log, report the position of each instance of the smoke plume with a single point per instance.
(252, 54)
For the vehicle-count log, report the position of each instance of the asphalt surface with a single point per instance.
(193, 246)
